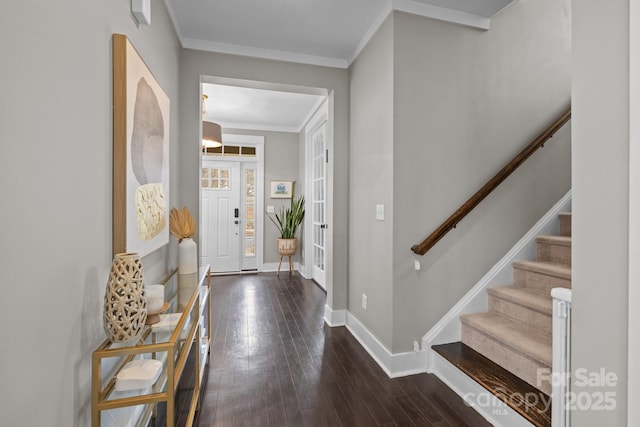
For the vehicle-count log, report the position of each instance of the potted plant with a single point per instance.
(287, 222)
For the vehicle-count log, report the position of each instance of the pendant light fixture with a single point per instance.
(211, 132)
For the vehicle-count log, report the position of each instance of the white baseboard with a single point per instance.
(335, 318)
(269, 267)
(482, 401)
(448, 328)
(394, 365)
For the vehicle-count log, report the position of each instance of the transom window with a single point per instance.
(230, 151)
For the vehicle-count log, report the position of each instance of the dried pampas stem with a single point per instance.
(182, 225)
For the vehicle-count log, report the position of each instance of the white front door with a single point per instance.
(318, 201)
(221, 224)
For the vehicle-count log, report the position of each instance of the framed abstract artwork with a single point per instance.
(140, 154)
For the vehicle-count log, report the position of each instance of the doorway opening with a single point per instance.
(267, 135)
(231, 192)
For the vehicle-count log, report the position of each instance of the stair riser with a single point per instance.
(565, 225)
(521, 314)
(558, 254)
(538, 281)
(510, 359)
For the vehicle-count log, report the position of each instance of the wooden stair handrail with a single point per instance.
(481, 194)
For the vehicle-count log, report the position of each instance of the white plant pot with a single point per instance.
(187, 256)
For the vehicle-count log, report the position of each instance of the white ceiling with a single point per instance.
(321, 32)
(249, 108)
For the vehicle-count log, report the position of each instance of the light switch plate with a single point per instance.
(270, 209)
(380, 212)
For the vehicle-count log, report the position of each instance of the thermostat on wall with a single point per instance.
(141, 10)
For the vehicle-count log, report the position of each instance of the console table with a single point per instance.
(181, 341)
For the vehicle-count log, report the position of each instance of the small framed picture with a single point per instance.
(281, 189)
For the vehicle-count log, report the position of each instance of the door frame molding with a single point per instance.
(322, 114)
(258, 142)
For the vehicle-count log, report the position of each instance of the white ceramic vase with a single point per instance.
(125, 305)
(187, 256)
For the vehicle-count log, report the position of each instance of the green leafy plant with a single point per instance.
(289, 218)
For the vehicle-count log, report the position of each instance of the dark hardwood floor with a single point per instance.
(531, 403)
(275, 363)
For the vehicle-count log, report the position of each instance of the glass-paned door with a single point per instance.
(220, 230)
(249, 223)
(319, 163)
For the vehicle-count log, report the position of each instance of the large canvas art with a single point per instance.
(140, 154)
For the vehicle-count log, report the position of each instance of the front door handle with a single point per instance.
(236, 213)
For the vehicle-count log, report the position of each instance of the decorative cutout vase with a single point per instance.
(187, 256)
(125, 305)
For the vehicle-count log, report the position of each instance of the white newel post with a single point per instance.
(560, 415)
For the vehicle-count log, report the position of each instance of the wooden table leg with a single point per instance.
(291, 265)
(279, 264)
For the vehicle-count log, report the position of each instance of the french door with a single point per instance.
(319, 201)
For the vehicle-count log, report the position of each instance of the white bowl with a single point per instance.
(155, 298)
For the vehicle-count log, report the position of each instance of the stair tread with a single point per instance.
(561, 271)
(555, 240)
(535, 300)
(524, 339)
(500, 382)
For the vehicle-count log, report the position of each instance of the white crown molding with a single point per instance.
(373, 29)
(407, 6)
(442, 14)
(257, 127)
(256, 52)
(271, 128)
(420, 9)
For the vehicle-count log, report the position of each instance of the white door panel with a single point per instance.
(224, 228)
(220, 198)
(318, 202)
(205, 235)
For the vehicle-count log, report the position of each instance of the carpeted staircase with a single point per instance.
(516, 331)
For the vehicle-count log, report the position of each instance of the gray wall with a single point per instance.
(371, 180)
(280, 163)
(466, 102)
(55, 174)
(600, 255)
(195, 64)
(461, 104)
